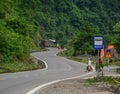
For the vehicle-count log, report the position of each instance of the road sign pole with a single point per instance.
(98, 64)
(108, 55)
(108, 64)
(98, 45)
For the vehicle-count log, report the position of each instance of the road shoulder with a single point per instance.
(77, 86)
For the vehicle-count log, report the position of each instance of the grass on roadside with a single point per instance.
(17, 66)
(107, 80)
(118, 70)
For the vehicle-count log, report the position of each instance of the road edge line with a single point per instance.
(46, 65)
(34, 90)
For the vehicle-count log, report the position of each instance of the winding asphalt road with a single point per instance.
(56, 68)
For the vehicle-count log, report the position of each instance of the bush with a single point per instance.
(14, 46)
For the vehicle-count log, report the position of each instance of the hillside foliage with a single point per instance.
(25, 23)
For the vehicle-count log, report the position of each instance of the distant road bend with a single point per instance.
(58, 68)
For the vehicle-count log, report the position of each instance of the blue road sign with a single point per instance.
(98, 42)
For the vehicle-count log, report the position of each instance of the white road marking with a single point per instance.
(46, 66)
(49, 83)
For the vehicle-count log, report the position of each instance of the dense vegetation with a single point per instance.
(25, 23)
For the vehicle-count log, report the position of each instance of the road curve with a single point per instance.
(57, 68)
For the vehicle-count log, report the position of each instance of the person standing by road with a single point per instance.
(90, 66)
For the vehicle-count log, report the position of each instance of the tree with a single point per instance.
(84, 40)
(116, 38)
(14, 46)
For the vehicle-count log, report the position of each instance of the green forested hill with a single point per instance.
(25, 23)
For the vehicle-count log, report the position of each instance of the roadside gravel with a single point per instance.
(78, 86)
(74, 86)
